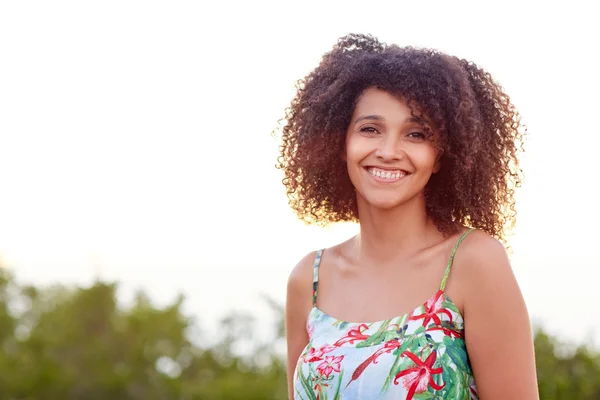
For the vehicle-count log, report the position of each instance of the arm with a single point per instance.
(297, 307)
(497, 327)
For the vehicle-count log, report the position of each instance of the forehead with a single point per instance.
(379, 102)
(390, 107)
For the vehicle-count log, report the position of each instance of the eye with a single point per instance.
(417, 135)
(369, 130)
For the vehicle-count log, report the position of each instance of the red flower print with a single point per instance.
(320, 382)
(353, 335)
(317, 354)
(386, 348)
(447, 331)
(473, 391)
(330, 364)
(432, 308)
(420, 377)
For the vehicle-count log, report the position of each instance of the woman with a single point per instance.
(421, 149)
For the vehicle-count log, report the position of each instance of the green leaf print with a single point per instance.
(459, 357)
(378, 338)
(419, 330)
(391, 375)
(425, 396)
(341, 325)
(415, 345)
(450, 306)
(336, 396)
(423, 341)
(448, 341)
(306, 385)
(449, 377)
(402, 347)
(386, 332)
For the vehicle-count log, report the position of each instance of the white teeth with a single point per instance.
(386, 174)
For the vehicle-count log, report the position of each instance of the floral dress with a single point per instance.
(419, 355)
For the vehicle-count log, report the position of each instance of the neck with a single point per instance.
(386, 233)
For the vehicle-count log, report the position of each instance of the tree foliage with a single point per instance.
(79, 343)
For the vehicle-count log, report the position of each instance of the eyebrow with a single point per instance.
(418, 120)
(372, 117)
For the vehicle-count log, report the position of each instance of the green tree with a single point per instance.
(79, 343)
(564, 372)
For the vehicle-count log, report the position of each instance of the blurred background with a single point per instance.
(145, 238)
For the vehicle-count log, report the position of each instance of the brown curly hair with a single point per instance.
(479, 130)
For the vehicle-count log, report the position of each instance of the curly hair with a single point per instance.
(479, 130)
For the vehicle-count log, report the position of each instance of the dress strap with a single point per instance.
(464, 235)
(316, 276)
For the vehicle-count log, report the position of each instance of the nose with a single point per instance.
(389, 149)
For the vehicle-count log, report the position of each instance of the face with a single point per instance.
(390, 156)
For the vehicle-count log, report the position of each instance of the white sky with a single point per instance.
(135, 141)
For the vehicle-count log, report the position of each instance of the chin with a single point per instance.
(383, 203)
(388, 201)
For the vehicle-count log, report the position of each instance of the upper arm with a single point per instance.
(297, 308)
(497, 327)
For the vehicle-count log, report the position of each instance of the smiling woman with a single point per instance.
(420, 148)
(382, 175)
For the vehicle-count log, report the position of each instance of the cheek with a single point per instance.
(427, 159)
(353, 155)
(351, 152)
(357, 147)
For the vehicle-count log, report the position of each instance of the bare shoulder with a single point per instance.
(481, 268)
(297, 308)
(492, 300)
(299, 287)
(481, 255)
(301, 275)
(479, 245)
(300, 281)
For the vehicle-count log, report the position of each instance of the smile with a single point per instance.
(384, 175)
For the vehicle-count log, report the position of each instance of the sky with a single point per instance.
(136, 145)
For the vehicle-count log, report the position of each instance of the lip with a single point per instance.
(386, 168)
